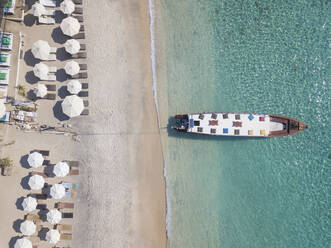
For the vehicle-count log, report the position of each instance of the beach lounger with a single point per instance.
(46, 162)
(51, 87)
(82, 47)
(53, 50)
(52, 69)
(83, 94)
(61, 227)
(82, 28)
(85, 112)
(48, 3)
(41, 206)
(49, 13)
(65, 236)
(4, 75)
(84, 86)
(49, 78)
(70, 185)
(79, 36)
(33, 173)
(80, 18)
(45, 153)
(83, 67)
(78, 1)
(86, 103)
(46, 20)
(73, 172)
(78, 10)
(67, 215)
(51, 57)
(81, 55)
(50, 97)
(40, 196)
(61, 205)
(80, 75)
(72, 163)
(33, 217)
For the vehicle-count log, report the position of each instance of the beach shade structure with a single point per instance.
(23, 243)
(72, 46)
(72, 106)
(57, 191)
(70, 26)
(35, 159)
(72, 68)
(36, 182)
(29, 204)
(61, 169)
(54, 216)
(41, 50)
(41, 70)
(38, 9)
(53, 236)
(27, 228)
(40, 90)
(67, 7)
(74, 87)
(2, 107)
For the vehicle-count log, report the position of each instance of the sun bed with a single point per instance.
(48, 3)
(80, 18)
(33, 173)
(78, 1)
(50, 97)
(46, 20)
(61, 227)
(84, 86)
(49, 13)
(83, 67)
(5, 117)
(46, 162)
(61, 205)
(72, 163)
(65, 236)
(81, 55)
(67, 215)
(53, 50)
(86, 103)
(78, 10)
(41, 206)
(73, 172)
(40, 196)
(82, 28)
(33, 217)
(45, 153)
(79, 75)
(51, 57)
(51, 87)
(85, 112)
(4, 76)
(6, 40)
(83, 94)
(79, 36)
(82, 47)
(70, 185)
(49, 78)
(5, 59)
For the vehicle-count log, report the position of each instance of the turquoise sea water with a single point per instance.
(258, 56)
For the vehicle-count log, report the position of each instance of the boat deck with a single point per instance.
(232, 124)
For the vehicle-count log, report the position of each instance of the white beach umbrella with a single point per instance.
(72, 68)
(28, 228)
(67, 7)
(38, 9)
(61, 169)
(41, 70)
(70, 26)
(57, 191)
(23, 243)
(35, 159)
(29, 204)
(72, 106)
(54, 216)
(40, 90)
(53, 236)
(2, 107)
(36, 182)
(72, 46)
(74, 87)
(41, 49)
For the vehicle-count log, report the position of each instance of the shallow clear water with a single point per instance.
(257, 56)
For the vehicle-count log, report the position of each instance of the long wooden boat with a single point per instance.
(238, 124)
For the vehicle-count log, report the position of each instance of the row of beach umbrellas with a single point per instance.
(74, 87)
(57, 191)
(67, 7)
(36, 160)
(41, 70)
(52, 236)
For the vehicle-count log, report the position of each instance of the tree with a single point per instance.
(6, 162)
(21, 90)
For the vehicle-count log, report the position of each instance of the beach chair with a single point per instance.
(52, 69)
(83, 67)
(82, 28)
(51, 87)
(48, 3)
(85, 112)
(70, 185)
(86, 103)
(40, 196)
(84, 86)
(50, 78)
(73, 172)
(33, 217)
(83, 94)
(53, 50)
(50, 97)
(51, 57)
(41, 206)
(67, 215)
(46, 20)
(78, 10)
(4, 75)
(81, 75)
(61, 205)
(82, 47)
(81, 55)
(49, 13)
(46, 162)
(80, 18)
(78, 1)
(45, 153)
(65, 236)
(61, 227)
(79, 36)
(33, 173)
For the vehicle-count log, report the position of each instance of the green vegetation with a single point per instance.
(6, 162)
(21, 90)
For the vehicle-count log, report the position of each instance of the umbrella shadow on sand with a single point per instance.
(49, 170)
(24, 162)
(13, 241)
(63, 92)
(19, 202)
(61, 75)
(42, 233)
(31, 78)
(29, 59)
(17, 225)
(62, 55)
(57, 111)
(30, 20)
(59, 16)
(58, 36)
(25, 182)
